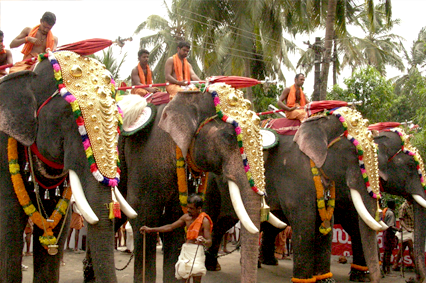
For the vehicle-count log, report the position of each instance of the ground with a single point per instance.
(72, 272)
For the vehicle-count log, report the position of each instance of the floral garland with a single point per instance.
(325, 213)
(360, 153)
(112, 182)
(359, 267)
(323, 276)
(237, 128)
(181, 175)
(415, 156)
(297, 280)
(18, 185)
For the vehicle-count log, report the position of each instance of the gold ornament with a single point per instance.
(92, 90)
(52, 249)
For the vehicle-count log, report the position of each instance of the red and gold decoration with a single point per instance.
(48, 240)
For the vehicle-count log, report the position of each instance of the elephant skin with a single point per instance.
(291, 196)
(55, 132)
(148, 160)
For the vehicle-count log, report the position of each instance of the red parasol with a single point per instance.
(317, 106)
(87, 47)
(234, 81)
(383, 126)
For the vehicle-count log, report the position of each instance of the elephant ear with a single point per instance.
(312, 140)
(180, 119)
(18, 107)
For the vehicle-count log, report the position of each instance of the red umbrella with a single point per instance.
(87, 47)
(234, 81)
(383, 126)
(317, 106)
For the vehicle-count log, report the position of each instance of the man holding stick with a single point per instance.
(199, 227)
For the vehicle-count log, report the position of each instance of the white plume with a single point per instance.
(132, 106)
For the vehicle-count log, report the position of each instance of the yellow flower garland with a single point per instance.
(323, 276)
(181, 175)
(359, 267)
(310, 280)
(325, 213)
(25, 201)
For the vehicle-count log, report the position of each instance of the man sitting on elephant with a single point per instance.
(295, 100)
(178, 72)
(5, 56)
(199, 227)
(36, 40)
(142, 75)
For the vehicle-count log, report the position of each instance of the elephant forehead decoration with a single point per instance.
(356, 131)
(234, 109)
(87, 85)
(411, 150)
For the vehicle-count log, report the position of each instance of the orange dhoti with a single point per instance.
(24, 66)
(297, 114)
(140, 91)
(173, 89)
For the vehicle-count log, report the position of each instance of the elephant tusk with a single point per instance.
(384, 226)
(80, 199)
(276, 222)
(363, 212)
(239, 208)
(124, 205)
(419, 200)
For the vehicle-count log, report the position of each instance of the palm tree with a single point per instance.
(110, 62)
(166, 38)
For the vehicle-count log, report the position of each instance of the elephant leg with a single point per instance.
(222, 225)
(369, 246)
(322, 250)
(419, 238)
(267, 248)
(88, 272)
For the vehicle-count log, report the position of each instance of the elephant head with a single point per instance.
(79, 132)
(216, 146)
(333, 142)
(401, 171)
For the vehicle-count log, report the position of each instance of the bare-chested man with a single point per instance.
(178, 72)
(141, 75)
(5, 56)
(294, 99)
(36, 40)
(199, 227)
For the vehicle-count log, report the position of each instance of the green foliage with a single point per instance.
(375, 92)
(262, 98)
(398, 201)
(111, 63)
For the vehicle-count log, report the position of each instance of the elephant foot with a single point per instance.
(216, 267)
(359, 276)
(269, 261)
(327, 280)
(89, 273)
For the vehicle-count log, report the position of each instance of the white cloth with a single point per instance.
(186, 261)
(129, 236)
(405, 236)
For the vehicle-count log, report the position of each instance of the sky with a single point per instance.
(84, 19)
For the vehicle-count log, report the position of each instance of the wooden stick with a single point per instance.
(144, 253)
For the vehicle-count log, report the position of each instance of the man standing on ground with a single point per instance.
(406, 220)
(142, 75)
(36, 40)
(5, 56)
(389, 239)
(199, 227)
(293, 100)
(178, 72)
(77, 222)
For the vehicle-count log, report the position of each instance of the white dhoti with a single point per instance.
(406, 236)
(186, 261)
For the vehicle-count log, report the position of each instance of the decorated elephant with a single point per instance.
(401, 173)
(194, 125)
(56, 142)
(294, 197)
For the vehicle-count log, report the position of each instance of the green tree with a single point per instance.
(375, 92)
(164, 42)
(111, 62)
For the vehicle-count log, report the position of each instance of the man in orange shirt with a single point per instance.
(142, 75)
(36, 40)
(199, 227)
(178, 72)
(294, 99)
(5, 56)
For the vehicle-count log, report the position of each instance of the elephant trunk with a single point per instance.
(419, 240)
(363, 212)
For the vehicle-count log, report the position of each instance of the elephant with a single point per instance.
(149, 160)
(291, 196)
(44, 129)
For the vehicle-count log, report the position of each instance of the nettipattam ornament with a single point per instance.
(232, 108)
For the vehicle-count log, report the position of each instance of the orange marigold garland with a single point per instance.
(325, 213)
(297, 280)
(18, 185)
(181, 175)
(323, 276)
